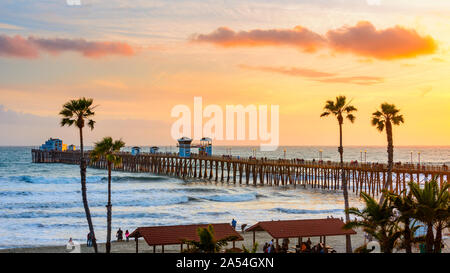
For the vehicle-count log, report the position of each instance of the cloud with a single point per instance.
(298, 37)
(391, 43)
(31, 47)
(17, 47)
(315, 75)
(292, 71)
(363, 39)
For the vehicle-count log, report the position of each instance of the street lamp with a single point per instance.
(419, 157)
(284, 153)
(361, 155)
(411, 157)
(320, 154)
(365, 156)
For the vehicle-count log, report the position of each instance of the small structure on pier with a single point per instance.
(154, 150)
(71, 148)
(52, 144)
(136, 150)
(205, 147)
(174, 235)
(184, 145)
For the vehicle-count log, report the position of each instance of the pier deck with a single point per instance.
(361, 177)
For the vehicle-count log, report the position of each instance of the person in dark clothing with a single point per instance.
(119, 235)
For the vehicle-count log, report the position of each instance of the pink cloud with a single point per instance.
(298, 37)
(17, 47)
(31, 47)
(317, 76)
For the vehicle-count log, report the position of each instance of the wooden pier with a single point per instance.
(369, 177)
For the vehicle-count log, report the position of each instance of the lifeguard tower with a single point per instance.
(136, 150)
(205, 147)
(184, 147)
(154, 150)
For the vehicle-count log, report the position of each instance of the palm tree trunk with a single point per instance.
(429, 239)
(438, 240)
(407, 236)
(108, 212)
(390, 151)
(348, 241)
(84, 194)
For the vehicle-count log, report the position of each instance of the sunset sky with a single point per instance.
(138, 59)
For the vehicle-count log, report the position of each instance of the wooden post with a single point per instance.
(137, 244)
(154, 249)
(254, 238)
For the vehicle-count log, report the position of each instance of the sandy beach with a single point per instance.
(337, 242)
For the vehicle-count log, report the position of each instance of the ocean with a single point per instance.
(40, 204)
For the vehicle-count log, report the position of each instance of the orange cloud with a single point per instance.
(31, 47)
(391, 43)
(298, 37)
(362, 40)
(317, 75)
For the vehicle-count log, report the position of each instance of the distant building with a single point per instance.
(72, 148)
(52, 144)
(184, 147)
(135, 150)
(154, 150)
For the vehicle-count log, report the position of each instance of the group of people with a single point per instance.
(119, 236)
(307, 247)
(272, 247)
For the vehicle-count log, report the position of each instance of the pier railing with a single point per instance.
(367, 177)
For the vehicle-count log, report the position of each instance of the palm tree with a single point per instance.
(432, 203)
(378, 221)
(77, 112)
(388, 116)
(405, 206)
(339, 109)
(107, 149)
(208, 242)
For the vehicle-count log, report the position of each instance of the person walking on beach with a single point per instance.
(119, 235)
(233, 223)
(89, 240)
(126, 235)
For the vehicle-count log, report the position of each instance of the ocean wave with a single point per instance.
(136, 178)
(231, 197)
(15, 193)
(50, 180)
(306, 211)
(212, 213)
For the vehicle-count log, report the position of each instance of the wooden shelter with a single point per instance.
(302, 228)
(174, 235)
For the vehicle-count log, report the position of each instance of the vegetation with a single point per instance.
(107, 149)
(393, 223)
(388, 116)
(339, 109)
(208, 242)
(78, 113)
(253, 250)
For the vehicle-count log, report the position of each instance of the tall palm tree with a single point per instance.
(108, 149)
(208, 242)
(339, 109)
(388, 116)
(77, 113)
(432, 203)
(378, 221)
